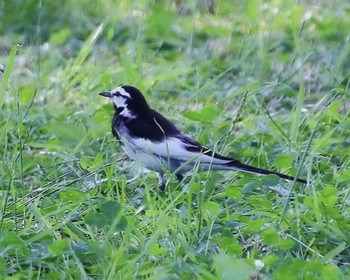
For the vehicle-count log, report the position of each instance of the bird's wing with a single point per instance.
(180, 147)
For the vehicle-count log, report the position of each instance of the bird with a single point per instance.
(158, 145)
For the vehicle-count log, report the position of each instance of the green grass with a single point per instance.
(265, 82)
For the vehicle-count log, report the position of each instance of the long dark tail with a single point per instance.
(237, 165)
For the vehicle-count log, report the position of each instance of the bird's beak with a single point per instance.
(106, 94)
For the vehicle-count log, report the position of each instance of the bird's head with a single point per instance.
(128, 101)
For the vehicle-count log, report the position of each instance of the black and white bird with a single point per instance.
(152, 140)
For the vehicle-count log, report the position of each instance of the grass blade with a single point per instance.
(7, 73)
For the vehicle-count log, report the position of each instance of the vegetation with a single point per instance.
(263, 81)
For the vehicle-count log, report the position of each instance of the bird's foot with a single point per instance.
(179, 177)
(161, 181)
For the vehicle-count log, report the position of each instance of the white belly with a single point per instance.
(170, 154)
(146, 160)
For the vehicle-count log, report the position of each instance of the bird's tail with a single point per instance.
(237, 165)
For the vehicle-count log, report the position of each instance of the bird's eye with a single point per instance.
(117, 94)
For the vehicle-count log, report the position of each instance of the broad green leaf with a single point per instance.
(233, 192)
(330, 272)
(110, 209)
(228, 268)
(59, 246)
(270, 180)
(229, 245)
(60, 37)
(85, 162)
(195, 187)
(206, 115)
(283, 161)
(271, 259)
(95, 219)
(10, 239)
(157, 249)
(212, 208)
(122, 223)
(270, 236)
(73, 196)
(26, 94)
(254, 226)
(98, 160)
(286, 244)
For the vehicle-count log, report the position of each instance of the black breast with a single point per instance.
(149, 125)
(116, 125)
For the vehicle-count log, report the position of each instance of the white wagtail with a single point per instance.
(148, 137)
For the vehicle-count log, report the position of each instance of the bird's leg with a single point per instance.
(179, 177)
(161, 181)
(132, 180)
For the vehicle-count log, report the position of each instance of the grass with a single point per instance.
(265, 82)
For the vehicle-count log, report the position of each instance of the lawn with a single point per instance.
(266, 82)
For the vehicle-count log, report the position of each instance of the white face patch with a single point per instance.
(127, 113)
(119, 97)
(119, 101)
(121, 91)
